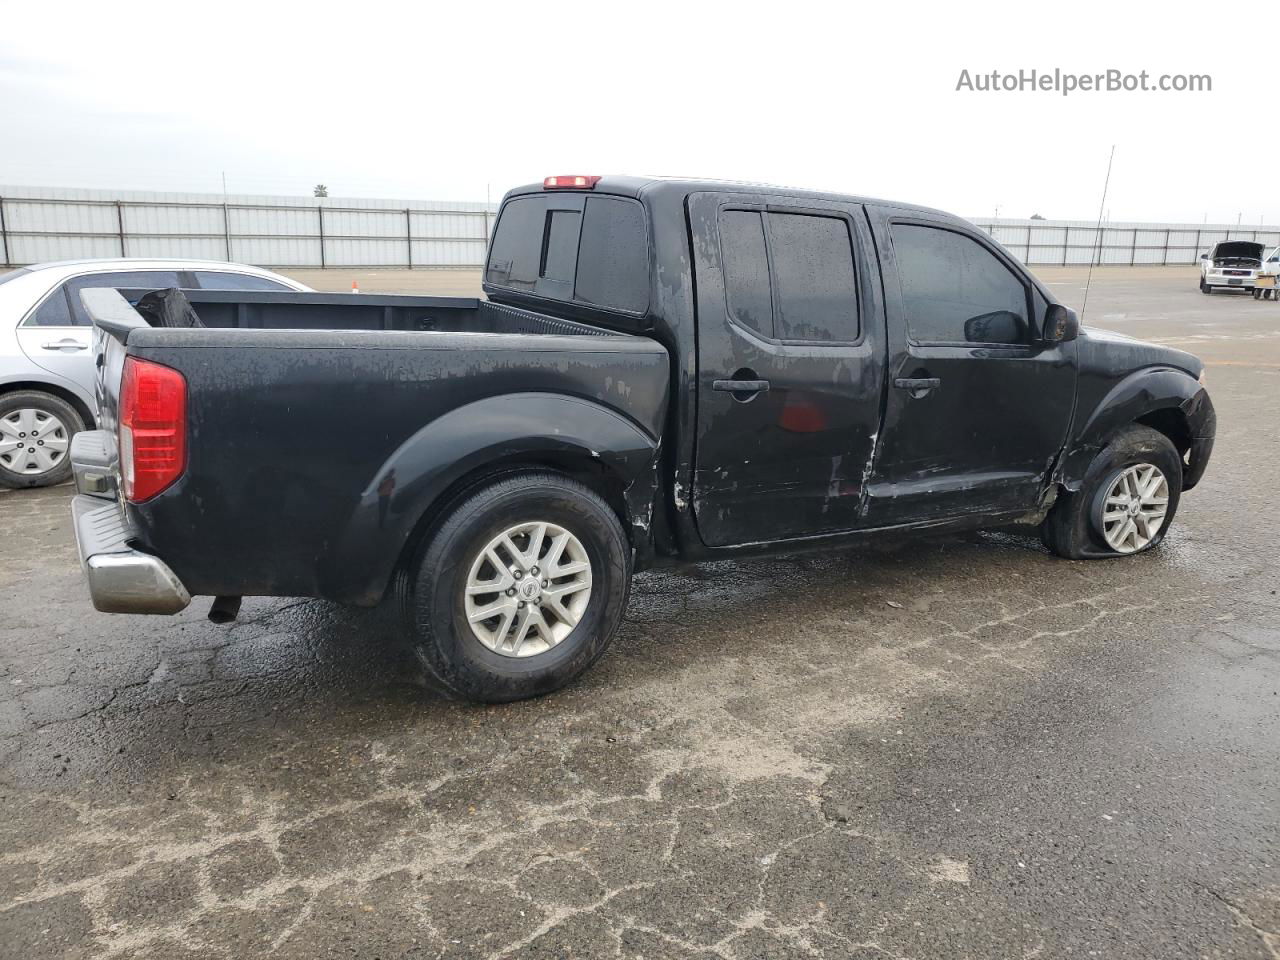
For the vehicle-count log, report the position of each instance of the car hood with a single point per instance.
(1104, 351)
(1236, 249)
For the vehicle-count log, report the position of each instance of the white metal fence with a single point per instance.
(47, 223)
(44, 223)
(1067, 242)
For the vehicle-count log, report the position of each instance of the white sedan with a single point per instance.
(46, 350)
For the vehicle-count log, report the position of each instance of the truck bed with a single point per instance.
(320, 426)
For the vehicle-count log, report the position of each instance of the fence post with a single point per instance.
(408, 235)
(320, 219)
(1066, 244)
(120, 226)
(1195, 254)
(1165, 261)
(4, 233)
(226, 229)
(1133, 248)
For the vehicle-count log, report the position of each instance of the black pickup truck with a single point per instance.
(663, 370)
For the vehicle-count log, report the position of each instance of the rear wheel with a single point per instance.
(35, 439)
(1125, 503)
(518, 589)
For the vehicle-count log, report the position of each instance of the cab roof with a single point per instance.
(652, 187)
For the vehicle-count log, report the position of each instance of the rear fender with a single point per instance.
(536, 428)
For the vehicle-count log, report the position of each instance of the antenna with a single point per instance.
(1097, 233)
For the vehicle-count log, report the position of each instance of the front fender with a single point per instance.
(539, 427)
(1138, 395)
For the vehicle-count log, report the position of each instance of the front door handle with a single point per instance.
(740, 386)
(919, 386)
(67, 344)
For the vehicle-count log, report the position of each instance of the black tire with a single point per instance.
(1070, 530)
(1257, 293)
(54, 407)
(1204, 287)
(432, 590)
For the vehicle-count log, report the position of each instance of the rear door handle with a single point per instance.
(919, 387)
(740, 386)
(67, 344)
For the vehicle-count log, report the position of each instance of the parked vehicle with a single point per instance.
(46, 361)
(1231, 263)
(1267, 284)
(663, 371)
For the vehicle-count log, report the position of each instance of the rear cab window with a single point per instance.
(589, 250)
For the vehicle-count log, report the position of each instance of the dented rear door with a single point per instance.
(791, 347)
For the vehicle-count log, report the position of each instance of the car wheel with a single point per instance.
(35, 439)
(518, 589)
(1125, 503)
(1204, 287)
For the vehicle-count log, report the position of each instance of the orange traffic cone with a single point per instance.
(355, 286)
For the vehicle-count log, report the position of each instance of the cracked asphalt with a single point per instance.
(953, 747)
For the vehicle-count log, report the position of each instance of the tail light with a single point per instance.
(153, 428)
(573, 181)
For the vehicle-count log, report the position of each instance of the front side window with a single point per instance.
(955, 290)
(790, 276)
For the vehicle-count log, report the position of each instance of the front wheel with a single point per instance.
(1204, 287)
(1125, 503)
(519, 588)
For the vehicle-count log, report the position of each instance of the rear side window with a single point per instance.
(955, 290)
(217, 280)
(790, 276)
(590, 250)
(813, 273)
(53, 311)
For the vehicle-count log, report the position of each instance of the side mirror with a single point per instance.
(1002, 326)
(1061, 324)
(1204, 256)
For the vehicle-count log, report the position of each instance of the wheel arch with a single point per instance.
(1165, 399)
(473, 445)
(62, 393)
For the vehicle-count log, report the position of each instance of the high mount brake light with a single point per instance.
(572, 181)
(153, 428)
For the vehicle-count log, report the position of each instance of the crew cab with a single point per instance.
(661, 371)
(1231, 264)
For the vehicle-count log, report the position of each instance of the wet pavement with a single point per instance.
(956, 747)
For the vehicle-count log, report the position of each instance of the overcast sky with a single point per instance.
(443, 101)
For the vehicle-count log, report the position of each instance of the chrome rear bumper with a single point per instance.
(121, 578)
